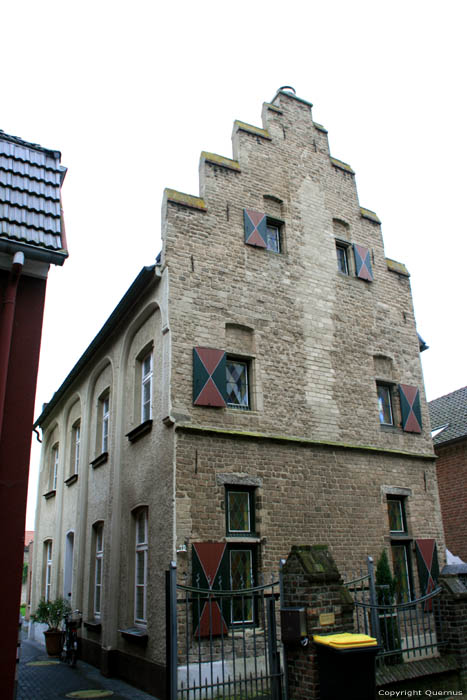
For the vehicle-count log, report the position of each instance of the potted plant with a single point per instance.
(51, 612)
(385, 591)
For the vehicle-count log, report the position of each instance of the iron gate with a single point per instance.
(222, 644)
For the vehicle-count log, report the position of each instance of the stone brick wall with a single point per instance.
(452, 621)
(451, 468)
(315, 332)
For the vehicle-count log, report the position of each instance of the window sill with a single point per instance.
(93, 626)
(135, 635)
(71, 479)
(102, 459)
(252, 539)
(50, 494)
(139, 431)
(389, 428)
(395, 537)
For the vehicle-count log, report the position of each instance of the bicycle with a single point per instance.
(73, 622)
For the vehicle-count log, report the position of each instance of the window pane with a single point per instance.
(139, 603)
(237, 384)
(239, 511)
(384, 404)
(273, 239)
(396, 519)
(97, 601)
(401, 573)
(241, 577)
(141, 528)
(342, 264)
(140, 568)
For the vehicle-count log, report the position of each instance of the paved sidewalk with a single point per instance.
(53, 679)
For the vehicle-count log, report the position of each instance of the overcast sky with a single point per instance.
(131, 93)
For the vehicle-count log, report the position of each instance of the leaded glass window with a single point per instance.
(241, 576)
(239, 511)
(237, 384)
(384, 404)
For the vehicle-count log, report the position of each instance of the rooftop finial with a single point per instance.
(287, 87)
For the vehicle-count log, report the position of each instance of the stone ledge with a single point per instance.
(320, 127)
(370, 215)
(223, 162)
(342, 166)
(186, 200)
(250, 129)
(394, 266)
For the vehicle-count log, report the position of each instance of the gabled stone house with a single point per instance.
(258, 387)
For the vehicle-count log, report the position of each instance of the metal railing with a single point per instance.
(405, 631)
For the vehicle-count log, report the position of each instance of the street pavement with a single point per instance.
(43, 678)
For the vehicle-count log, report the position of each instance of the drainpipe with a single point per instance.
(7, 317)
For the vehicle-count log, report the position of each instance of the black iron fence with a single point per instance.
(222, 644)
(405, 631)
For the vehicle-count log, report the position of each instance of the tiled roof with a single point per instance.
(30, 212)
(449, 411)
(28, 537)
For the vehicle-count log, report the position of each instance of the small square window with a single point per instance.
(273, 240)
(238, 395)
(385, 404)
(342, 259)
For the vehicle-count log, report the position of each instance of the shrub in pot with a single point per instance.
(51, 612)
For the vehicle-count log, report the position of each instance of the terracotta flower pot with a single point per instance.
(53, 642)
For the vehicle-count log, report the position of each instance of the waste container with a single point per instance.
(346, 664)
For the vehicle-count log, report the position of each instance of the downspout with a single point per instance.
(7, 318)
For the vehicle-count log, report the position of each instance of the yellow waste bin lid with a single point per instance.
(346, 640)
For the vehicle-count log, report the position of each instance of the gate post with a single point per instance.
(171, 631)
(451, 620)
(373, 600)
(311, 580)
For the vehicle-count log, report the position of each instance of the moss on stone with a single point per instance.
(320, 127)
(242, 126)
(187, 200)
(343, 166)
(220, 160)
(368, 214)
(398, 267)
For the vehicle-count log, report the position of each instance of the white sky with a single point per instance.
(131, 93)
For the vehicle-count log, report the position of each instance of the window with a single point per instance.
(385, 404)
(400, 548)
(105, 408)
(261, 231)
(342, 258)
(396, 512)
(48, 569)
(98, 566)
(146, 388)
(141, 565)
(237, 384)
(240, 522)
(76, 436)
(240, 510)
(54, 470)
(273, 237)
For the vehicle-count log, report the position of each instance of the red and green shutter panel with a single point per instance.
(210, 571)
(363, 262)
(428, 567)
(209, 377)
(410, 408)
(256, 232)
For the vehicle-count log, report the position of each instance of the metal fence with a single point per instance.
(223, 644)
(405, 631)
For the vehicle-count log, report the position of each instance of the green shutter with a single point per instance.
(256, 232)
(209, 382)
(363, 262)
(410, 408)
